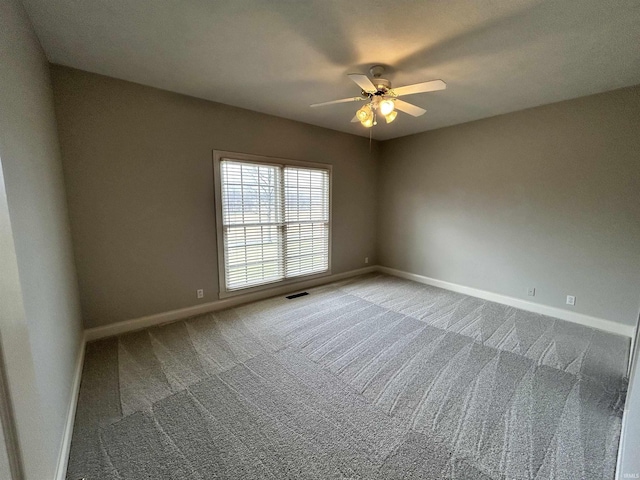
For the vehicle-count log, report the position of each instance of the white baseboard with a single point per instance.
(63, 457)
(165, 317)
(179, 314)
(586, 320)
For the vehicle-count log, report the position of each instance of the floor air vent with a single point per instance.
(296, 295)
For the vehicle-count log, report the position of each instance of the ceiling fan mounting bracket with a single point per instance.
(376, 71)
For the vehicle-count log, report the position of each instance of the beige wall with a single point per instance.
(40, 322)
(547, 197)
(138, 169)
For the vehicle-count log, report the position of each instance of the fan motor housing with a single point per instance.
(382, 83)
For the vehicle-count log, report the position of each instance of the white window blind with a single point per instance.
(275, 222)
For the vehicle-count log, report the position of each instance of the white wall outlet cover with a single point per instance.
(531, 291)
(200, 293)
(571, 300)
(366, 259)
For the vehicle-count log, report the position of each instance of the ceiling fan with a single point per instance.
(380, 97)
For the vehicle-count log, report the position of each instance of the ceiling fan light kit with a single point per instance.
(367, 114)
(391, 116)
(382, 98)
(364, 113)
(387, 106)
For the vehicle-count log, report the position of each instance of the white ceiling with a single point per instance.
(279, 56)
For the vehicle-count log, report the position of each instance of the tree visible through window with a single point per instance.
(275, 221)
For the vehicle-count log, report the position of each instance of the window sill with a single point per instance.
(266, 286)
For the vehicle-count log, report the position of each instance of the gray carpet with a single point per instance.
(370, 378)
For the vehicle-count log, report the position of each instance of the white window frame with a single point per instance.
(218, 156)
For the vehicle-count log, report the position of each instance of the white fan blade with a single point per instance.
(409, 108)
(423, 87)
(355, 119)
(342, 100)
(363, 82)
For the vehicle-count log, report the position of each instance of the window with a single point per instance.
(273, 220)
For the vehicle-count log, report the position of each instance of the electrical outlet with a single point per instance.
(571, 300)
(531, 291)
(200, 293)
(366, 259)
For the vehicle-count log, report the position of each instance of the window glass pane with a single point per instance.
(250, 193)
(306, 194)
(307, 248)
(252, 255)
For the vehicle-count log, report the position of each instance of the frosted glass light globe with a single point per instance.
(386, 107)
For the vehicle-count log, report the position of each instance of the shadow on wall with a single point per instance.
(9, 460)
